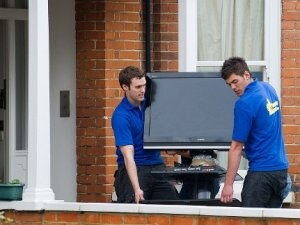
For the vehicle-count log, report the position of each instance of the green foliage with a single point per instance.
(15, 181)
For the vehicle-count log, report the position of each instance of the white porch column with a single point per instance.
(38, 181)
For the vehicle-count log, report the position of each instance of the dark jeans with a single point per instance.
(155, 187)
(264, 189)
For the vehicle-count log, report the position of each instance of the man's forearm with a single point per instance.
(132, 174)
(234, 158)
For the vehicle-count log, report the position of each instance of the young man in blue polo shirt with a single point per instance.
(134, 181)
(257, 128)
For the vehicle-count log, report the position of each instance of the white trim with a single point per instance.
(11, 105)
(38, 183)
(187, 210)
(220, 63)
(11, 15)
(272, 41)
(187, 147)
(187, 35)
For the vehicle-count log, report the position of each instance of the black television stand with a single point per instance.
(198, 172)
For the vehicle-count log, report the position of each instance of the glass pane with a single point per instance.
(21, 4)
(222, 158)
(230, 28)
(21, 74)
(3, 3)
(208, 69)
(3, 72)
(258, 72)
(3, 47)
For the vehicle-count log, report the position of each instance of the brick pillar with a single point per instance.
(290, 88)
(109, 37)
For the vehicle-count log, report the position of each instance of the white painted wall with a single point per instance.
(63, 77)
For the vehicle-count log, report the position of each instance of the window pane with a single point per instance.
(21, 4)
(21, 65)
(209, 69)
(3, 3)
(230, 28)
(3, 47)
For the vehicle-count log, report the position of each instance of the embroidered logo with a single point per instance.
(272, 107)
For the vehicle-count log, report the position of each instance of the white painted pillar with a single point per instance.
(38, 183)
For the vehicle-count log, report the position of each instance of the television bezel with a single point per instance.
(167, 143)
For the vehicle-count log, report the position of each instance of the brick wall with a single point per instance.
(74, 218)
(290, 62)
(110, 36)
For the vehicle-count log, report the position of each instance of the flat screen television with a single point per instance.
(188, 110)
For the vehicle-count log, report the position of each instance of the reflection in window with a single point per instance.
(3, 3)
(20, 4)
(21, 74)
(3, 46)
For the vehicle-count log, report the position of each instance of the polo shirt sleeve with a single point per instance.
(243, 120)
(122, 131)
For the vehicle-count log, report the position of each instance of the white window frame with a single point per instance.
(272, 41)
(272, 50)
(17, 158)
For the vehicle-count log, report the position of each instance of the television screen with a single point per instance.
(188, 110)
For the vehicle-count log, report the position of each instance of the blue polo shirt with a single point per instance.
(257, 124)
(128, 128)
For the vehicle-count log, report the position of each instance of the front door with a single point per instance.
(3, 72)
(13, 97)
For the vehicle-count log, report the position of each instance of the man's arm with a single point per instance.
(234, 157)
(128, 154)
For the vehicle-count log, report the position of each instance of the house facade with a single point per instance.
(60, 62)
(171, 41)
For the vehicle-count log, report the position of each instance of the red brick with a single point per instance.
(67, 217)
(112, 218)
(156, 219)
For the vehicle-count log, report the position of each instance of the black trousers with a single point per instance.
(154, 186)
(264, 189)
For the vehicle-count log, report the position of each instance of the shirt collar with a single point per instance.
(130, 106)
(251, 85)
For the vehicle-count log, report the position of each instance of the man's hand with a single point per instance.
(139, 196)
(234, 157)
(128, 154)
(227, 193)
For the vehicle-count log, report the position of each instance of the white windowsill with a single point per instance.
(151, 209)
(60, 205)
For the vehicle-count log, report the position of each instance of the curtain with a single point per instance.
(230, 28)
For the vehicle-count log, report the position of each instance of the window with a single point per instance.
(210, 31)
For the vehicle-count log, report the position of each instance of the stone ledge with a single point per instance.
(151, 209)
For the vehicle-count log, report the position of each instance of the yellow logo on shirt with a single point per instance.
(272, 107)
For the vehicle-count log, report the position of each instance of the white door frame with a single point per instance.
(17, 160)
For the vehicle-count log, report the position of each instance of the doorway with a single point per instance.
(13, 97)
(3, 72)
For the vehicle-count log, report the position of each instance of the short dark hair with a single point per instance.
(236, 65)
(129, 72)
